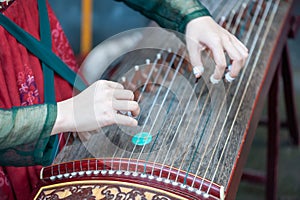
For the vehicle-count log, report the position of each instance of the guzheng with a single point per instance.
(193, 137)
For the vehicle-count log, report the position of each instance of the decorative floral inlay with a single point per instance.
(102, 192)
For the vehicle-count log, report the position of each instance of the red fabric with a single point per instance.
(21, 84)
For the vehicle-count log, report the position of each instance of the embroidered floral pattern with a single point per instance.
(29, 93)
(4, 185)
(62, 47)
(3, 179)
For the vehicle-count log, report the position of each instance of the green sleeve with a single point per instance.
(171, 14)
(25, 135)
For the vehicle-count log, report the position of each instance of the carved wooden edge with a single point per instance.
(273, 60)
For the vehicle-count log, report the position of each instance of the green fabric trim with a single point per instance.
(190, 17)
(45, 34)
(44, 151)
(43, 53)
(171, 14)
(25, 135)
(16, 122)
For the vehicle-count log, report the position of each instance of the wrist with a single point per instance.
(191, 17)
(65, 119)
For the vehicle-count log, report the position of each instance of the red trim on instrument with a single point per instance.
(124, 164)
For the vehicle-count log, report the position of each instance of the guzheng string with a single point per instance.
(227, 27)
(175, 134)
(251, 51)
(139, 157)
(160, 131)
(239, 17)
(154, 162)
(173, 123)
(275, 8)
(261, 24)
(161, 106)
(196, 128)
(165, 77)
(195, 151)
(157, 95)
(230, 107)
(253, 21)
(153, 66)
(186, 161)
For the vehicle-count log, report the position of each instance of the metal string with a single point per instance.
(172, 142)
(165, 136)
(230, 107)
(59, 141)
(181, 119)
(240, 80)
(164, 99)
(152, 106)
(248, 82)
(138, 100)
(172, 122)
(153, 66)
(239, 83)
(239, 17)
(227, 27)
(253, 21)
(149, 76)
(199, 140)
(198, 143)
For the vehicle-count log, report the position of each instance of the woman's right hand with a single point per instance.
(96, 107)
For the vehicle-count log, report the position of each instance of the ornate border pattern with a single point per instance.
(103, 190)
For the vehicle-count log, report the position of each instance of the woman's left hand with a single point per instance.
(203, 33)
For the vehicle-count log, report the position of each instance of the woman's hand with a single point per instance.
(204, 32)
(96, 107)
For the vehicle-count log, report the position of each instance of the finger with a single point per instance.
(240, 45)
(236, 68)
(231, 50)
(243, 54)
(123, 105)
(238, 60)
(125, 120)
(237, 42)
(114, 85)
(121, 94)
(220, 60)
(236, 55)
(195, 50)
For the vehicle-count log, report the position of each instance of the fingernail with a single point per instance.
(228, 77)
(213, 80)
(198, 70)
(129, 114)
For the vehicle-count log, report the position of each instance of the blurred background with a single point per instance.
(111, 17)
